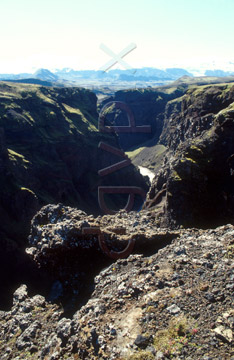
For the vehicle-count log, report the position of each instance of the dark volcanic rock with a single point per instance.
(188, 116)
(60, 247)
(195, 186)
(128, 314)
(49, 153)
(147, 106)
(125, 288)
(51, 142)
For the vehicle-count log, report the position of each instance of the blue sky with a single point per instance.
(57, 33)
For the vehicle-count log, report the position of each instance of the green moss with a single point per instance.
(177, 100)
(37, 308)
(172, 339)
(225, 90)
(14, 338)
(227, 109)
(68, 357)
(188, 159)
(77, 120)
(191, 160)
(28, 115)
(150, 309)
(171, 90)
(26, 189)
(159, 98)
(45, 139)
(28, 355)
(230, 251)
(141, 355)
(193, 147)
(19, 158)
(108, 110)
(46, 99)
(176, 176)
(14, 155)
(133, 153)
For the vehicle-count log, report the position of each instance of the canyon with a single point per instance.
(155, 282)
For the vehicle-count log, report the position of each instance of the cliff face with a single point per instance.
(49, 153)
(155, 303)
(51, 145)
(194, 187)
(147, 106)
(188, 116)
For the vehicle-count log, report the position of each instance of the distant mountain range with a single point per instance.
(146, 74)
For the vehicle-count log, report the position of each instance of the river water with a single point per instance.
(146, 172)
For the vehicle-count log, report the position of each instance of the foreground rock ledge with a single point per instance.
(57, 229)
(175, 303)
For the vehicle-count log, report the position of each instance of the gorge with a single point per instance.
(173, 296)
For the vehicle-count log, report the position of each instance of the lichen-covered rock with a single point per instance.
(20, 294)
(26, 327)
(141, 307)
(60, 243)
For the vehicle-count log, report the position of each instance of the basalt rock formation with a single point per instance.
(147, 107)
(172, 303)
(49, 153)
(73, 247)
(195, 185)
(152, 284)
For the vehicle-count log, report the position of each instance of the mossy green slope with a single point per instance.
(49, 153)
(52, 137)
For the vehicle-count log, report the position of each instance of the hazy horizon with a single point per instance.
(59, 34)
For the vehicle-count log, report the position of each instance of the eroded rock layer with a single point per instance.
(175, 302)
(195, 184)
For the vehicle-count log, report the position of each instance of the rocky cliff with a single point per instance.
(147, 107)
(49, 153)
(194, 186)
(189, 149)
(171, 298)
(154, 284)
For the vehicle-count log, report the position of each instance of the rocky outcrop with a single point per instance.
(187, 117)
(131, 285)
(194, 187)
(147, 107)
(52, 141)
(176, 302)
(73, 247)
(49, 153)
